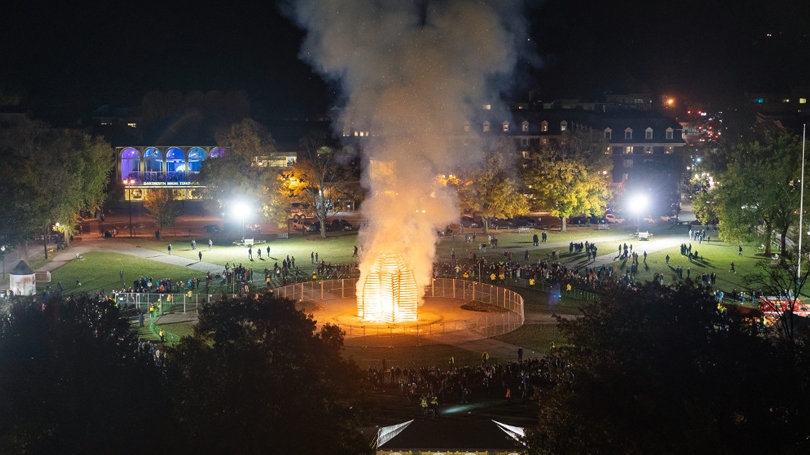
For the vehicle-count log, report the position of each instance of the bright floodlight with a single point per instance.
(638, 203)
(240, 209)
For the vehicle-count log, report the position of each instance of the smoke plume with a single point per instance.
(412, 75)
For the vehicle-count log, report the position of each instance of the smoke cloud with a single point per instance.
(412, 75)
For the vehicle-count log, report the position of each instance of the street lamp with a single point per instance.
(241, 210)
(128, 183)
(637, 204)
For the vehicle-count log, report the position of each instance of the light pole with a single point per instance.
(241, 211)
(637, 204)
(3, 253)
(128, 183)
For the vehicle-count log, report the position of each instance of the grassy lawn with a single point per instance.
(336, 248)
(534, 338)
(412, 356)
(99, 270)
(715, 257)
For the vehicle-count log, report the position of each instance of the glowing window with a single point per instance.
(505, 127)
(648, 150)
(802, 100)
(524, 127)
(544, 126)
(563, 125)
(628, 150)
(486, 127)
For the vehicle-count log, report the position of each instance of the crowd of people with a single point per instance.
(428, 388)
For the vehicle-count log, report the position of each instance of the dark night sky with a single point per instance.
(110, 52)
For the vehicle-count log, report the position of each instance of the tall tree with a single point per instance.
(760, 185)
(257, 375)
(162, 208)
(571, 175)
(493, 190)
(237, 177)
(51, 176)
(666, 370)
(322, 174)
(74, 381)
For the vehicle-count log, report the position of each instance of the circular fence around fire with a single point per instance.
(454, 311)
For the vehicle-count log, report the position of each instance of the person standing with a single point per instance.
(210, 244)
(200, 255)
(170, 249)
(520, 354)
(193, 244)
(312, 257)
(250, 253)
(121, 275)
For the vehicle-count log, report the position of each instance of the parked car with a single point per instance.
(302, 225)
(470, 222)
(611, 218)
(341, 225)
(300, 210)
(579, 219)
(524, 221)
(212, 228)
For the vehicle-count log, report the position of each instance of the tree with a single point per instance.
(73, 381)
(656, 369)
(570, 176)
(321, 175)
(237, 177)
(51, 176)
(492, 191)
(761, 185)
(162, 208)
(257, 376)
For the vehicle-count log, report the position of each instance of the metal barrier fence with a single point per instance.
(179, 303)
(475, 327)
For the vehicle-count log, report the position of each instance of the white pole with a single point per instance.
(801, 215)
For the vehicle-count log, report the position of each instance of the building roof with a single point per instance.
(22, 268)
(450, 434)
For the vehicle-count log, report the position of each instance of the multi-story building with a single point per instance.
(143, 168)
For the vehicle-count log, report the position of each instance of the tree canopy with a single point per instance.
(761, 184)
(258, 377)
(49, 176)
(162, 208)
(322, 174)
(570, 176)
(74, 382)
(657, 369)
(236, 177)
(492, 190)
